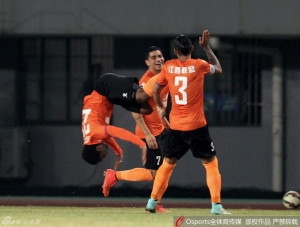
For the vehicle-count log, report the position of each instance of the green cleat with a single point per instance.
(218, 209)
(151, 205)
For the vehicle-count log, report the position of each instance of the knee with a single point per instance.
(170, 161)
(207, 160)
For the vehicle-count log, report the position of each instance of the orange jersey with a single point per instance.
(152, 120)
(186, 84)
(147, 76)
(96, 114)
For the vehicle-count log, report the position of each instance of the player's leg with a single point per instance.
(173, 150)
(117, 87)
(136, 174)
(157, 160)
(111, 177)
(213, 179)
(203, 148)
(162, 178)
(154, 161)
(124, 91)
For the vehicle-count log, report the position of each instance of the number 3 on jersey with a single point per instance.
(182, 98)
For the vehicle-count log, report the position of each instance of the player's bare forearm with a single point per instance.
(139, 120)
(212, 59)
(119, 159)
(144, 154)
(150, 139)
(156, 95)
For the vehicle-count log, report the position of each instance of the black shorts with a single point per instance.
(119, 90)
(177, 143)
(154, 156)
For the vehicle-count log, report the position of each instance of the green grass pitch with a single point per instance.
(110, 217)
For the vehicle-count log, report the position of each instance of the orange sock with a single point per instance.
(162, 192)
(213, 180)
(161, 180)
(137, 174)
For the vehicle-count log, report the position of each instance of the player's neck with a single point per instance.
(183, 58)
(155, 72)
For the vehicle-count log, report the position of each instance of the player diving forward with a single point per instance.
(96, 113)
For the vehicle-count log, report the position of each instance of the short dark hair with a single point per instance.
(90, 154)
(183, 44)
(149, 50)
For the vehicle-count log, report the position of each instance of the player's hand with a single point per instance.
(144, 154)
(151, 141)
(204, 39)
(161, 111)
(119, 159)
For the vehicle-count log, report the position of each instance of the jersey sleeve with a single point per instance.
(164, 94)
(148, 87)
(112, 143)
(161, 81)
(143, 81)
(204, 66)
(124, 135)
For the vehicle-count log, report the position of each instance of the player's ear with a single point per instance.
(192, 48)
(147, 62)
(175, 51)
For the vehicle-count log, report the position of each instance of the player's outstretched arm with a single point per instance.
(112, 143)
(118, 161)
(212, 59)
(124, 134)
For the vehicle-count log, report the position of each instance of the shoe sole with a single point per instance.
(104, 186)
(150, 211)
(163, 211)
(219, 213)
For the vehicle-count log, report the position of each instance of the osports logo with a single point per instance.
(179, 221)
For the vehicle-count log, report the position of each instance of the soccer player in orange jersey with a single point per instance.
(98, 134)
(149, 128)
(188, 126)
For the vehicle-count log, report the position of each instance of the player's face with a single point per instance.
(155, 61)
(102, 149)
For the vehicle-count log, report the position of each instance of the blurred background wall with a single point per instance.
(51, 51)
